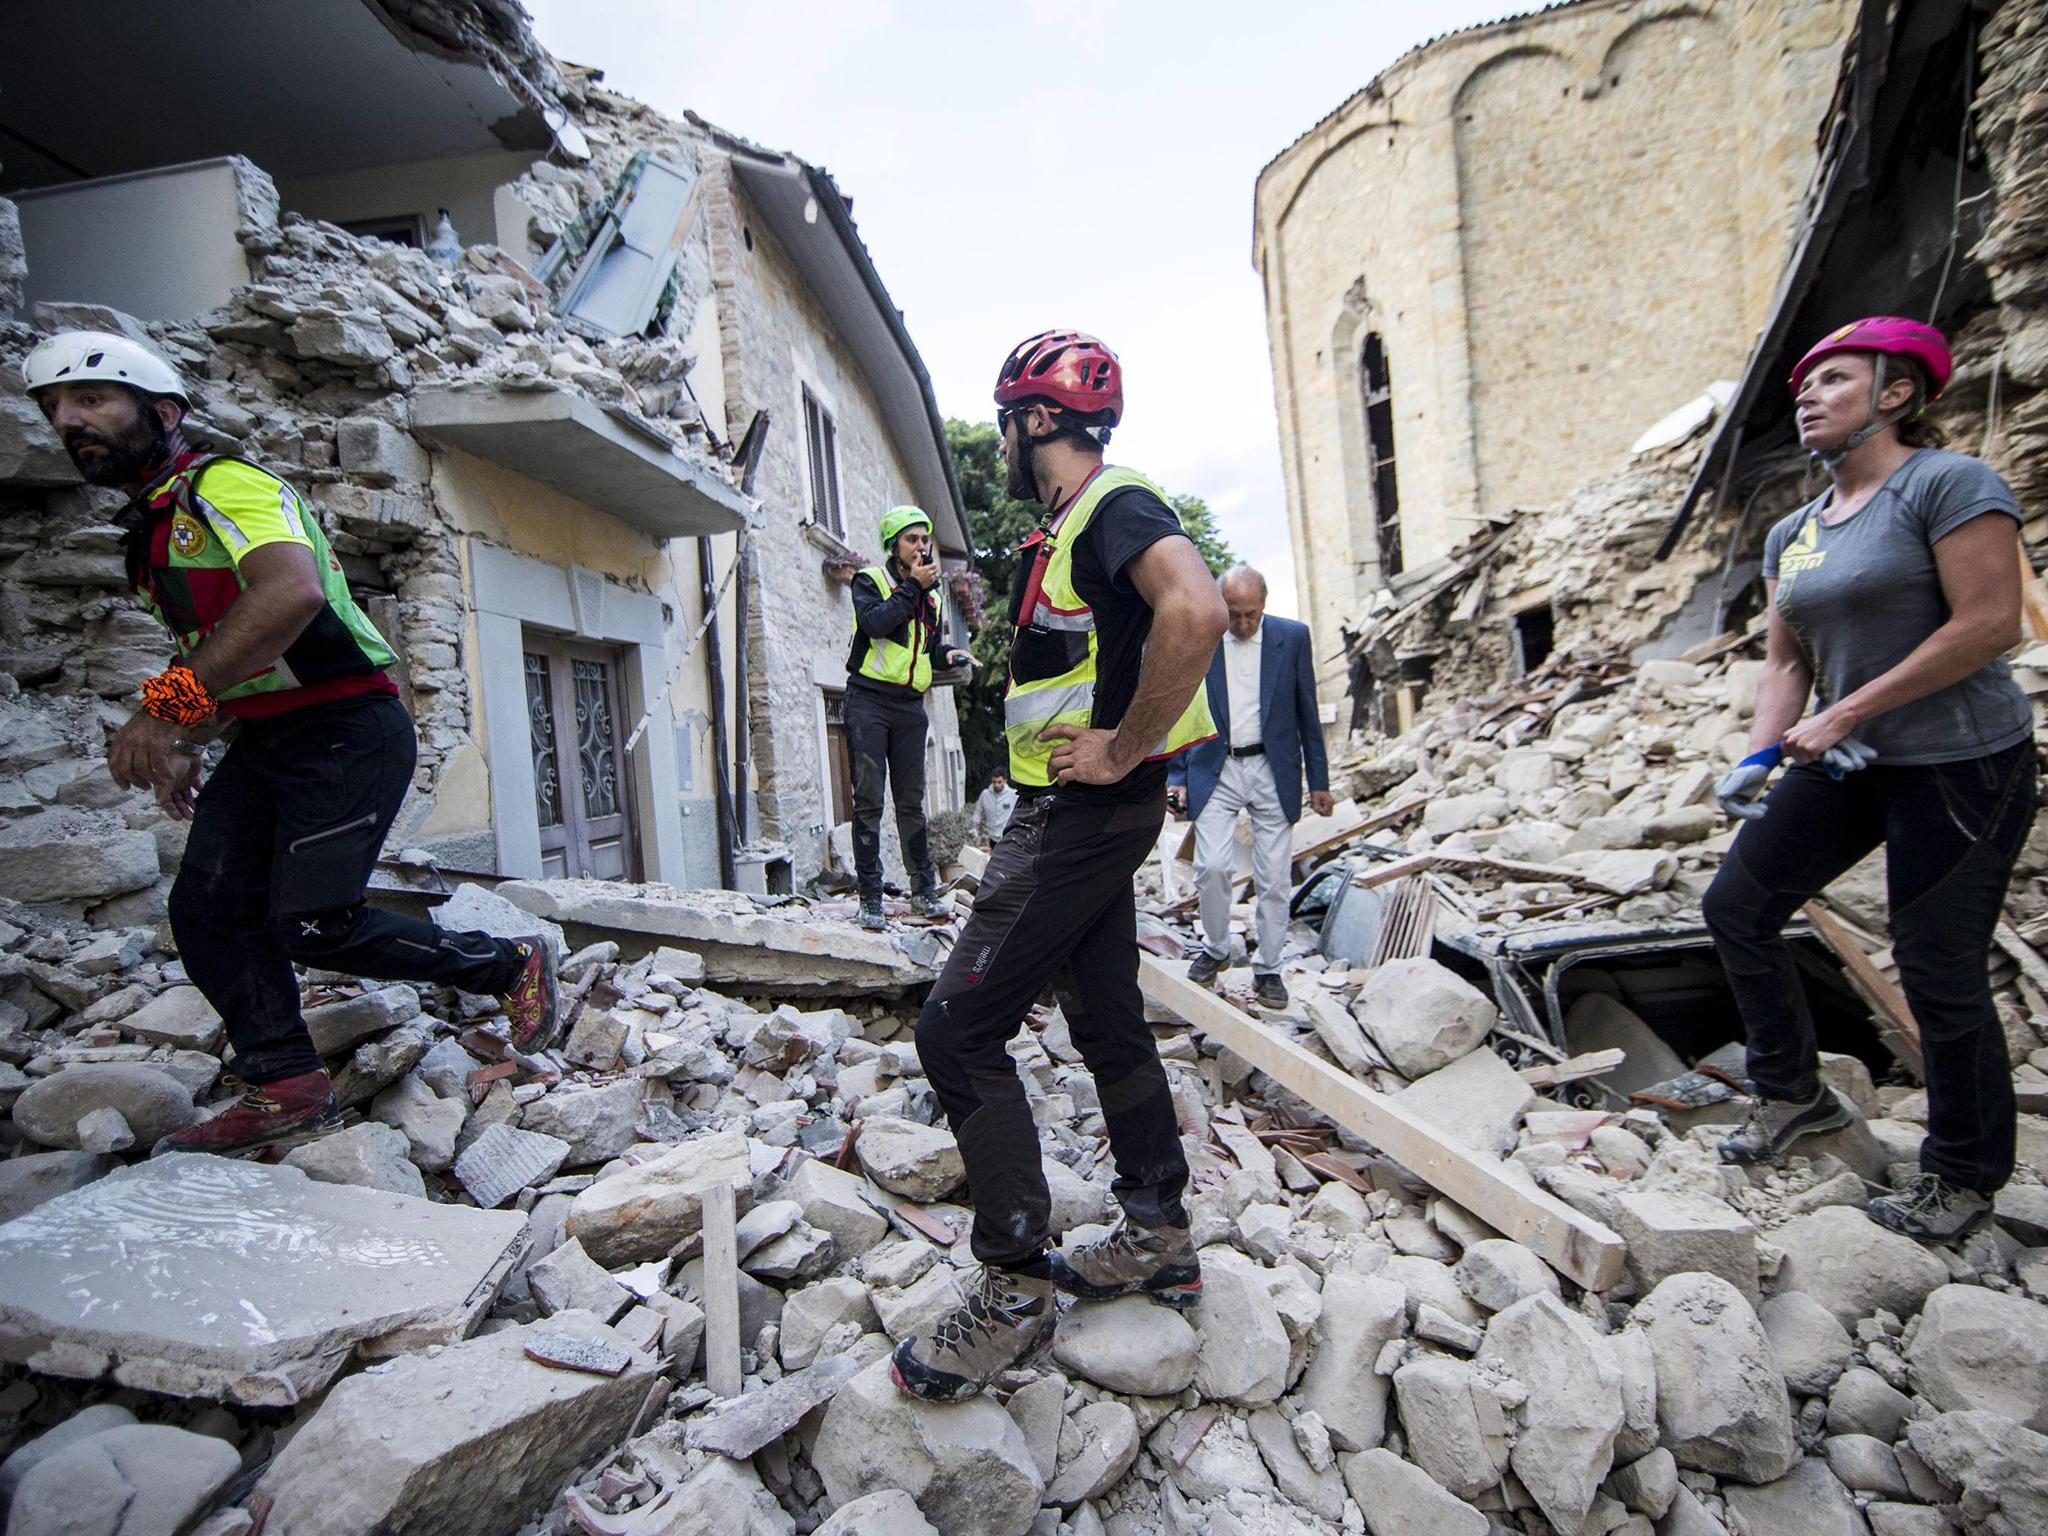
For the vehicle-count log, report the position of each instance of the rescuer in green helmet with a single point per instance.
(896, 645)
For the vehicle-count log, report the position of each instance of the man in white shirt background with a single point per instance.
(992, 807)
(1262, 693)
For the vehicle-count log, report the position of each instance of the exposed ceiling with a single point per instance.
(301, 87)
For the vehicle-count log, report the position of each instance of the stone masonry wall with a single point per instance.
(1561, 225)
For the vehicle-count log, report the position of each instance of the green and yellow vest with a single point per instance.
(904, 666)
(1052, 603)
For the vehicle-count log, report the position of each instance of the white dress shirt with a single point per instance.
(1241, 677)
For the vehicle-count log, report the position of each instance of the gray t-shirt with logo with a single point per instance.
(1862, 595)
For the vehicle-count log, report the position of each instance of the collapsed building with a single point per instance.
(560, 375)
(1470, 1264)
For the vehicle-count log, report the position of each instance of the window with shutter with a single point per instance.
(821, 444)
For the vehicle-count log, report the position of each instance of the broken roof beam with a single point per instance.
(1576, 1246)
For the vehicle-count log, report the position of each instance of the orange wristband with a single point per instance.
(176, 695)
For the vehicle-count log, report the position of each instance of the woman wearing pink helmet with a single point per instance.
(1893, 596)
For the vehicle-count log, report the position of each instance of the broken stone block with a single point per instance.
(26, 1182)
(204, 1276)
(104, 1130)
(134, 1480)
(376, 1064)
(376, 451)
(1574, 1410)
(1864, 1464)
(369, 1154)
(1721, 1399)
(1423, 1016)
(428, 1123)
(889, 1512)
(920, 1162)
(1129, 1345)
(1098, 1443)
(88, 1421)
(68, 855)
(1456, 1430)
(1997, 1462)
(470, 1441)
(1403, 1497)
(1361, 1314)
(1649, 1484)
(180, 1017)
(1854, 1267)
(1310, 1480)
(1979, 1348)
(801, 1253)
(153, 1103)
(1812, 1349)
(644, 1212)
(567, 1280)
(503, 1160)
(742, 1425)
(353, 338)
(597, 1040)
(811, 1313)
(1671, 1234)
(598, 1123)
(1244, 1352)
(1806, 1501)
(965, 1464)
(472, 909)
(347, 1022)
(1497, 1273)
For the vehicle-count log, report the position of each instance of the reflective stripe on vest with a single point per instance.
(1031, 708)
(904, 666)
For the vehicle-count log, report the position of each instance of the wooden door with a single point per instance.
(581, 788)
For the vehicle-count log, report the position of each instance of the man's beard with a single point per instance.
(127, 455)
(1022, 486)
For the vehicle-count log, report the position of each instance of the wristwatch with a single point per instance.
(189, 748)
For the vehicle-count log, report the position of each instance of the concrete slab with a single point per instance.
(790, 951)
(202, 1276)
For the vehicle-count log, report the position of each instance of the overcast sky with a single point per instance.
(1015, 167)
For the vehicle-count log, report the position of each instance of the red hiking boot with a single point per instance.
(285, 1113)
(534, 1005)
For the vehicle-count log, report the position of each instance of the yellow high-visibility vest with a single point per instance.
(1033, 705)
(907, 666)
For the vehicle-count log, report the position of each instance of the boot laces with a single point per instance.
(992, 1305)
(1929, 1195)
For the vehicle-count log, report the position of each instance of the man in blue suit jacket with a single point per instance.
(1262, 692)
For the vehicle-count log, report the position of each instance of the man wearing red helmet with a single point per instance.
(1117, 617)
(1894, 596)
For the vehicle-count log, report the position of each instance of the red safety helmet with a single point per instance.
(1071, 369)
(1892, 336)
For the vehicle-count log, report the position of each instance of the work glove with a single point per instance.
(1741, 789)
(1846, 756)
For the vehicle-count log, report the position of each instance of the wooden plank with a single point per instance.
(1895, 1024)
(1549, 1074)
(1578, 1247)
(1399, 869)
(721, 1293)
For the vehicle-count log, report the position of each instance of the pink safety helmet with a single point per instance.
(1891, 336)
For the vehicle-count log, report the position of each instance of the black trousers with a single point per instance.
(1951, 832)
(1055, 907)
(885, 733)
(284, 837)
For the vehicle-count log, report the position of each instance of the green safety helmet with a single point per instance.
(896, 520)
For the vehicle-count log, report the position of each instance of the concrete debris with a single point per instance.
(203, 1277)
(921, 1162)
(503, 1160)
(1571, 1408)
(1129, 1346)
(1978, 1348)
(643, 1212)
(1721, 1397)
(465, 1441)
(152, 1102)
(369, 1154)
(131, 1480)
(965, 1464)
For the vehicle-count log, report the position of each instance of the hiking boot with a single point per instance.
(1203, 968)
(1774, 1124)
(872, 917)
(1932, 1208)
(1007, 1320)
(285, 1113)
(533, 1006)
(1128, 1259)
(930, 904)
(1270, 990)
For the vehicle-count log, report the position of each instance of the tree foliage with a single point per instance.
(996, 525)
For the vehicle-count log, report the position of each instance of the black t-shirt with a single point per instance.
(1128, 523)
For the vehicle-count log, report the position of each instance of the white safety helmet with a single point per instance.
(78, 357)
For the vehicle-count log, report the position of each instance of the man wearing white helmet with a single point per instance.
(271, 645)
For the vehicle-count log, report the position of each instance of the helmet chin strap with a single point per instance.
(1830, 457)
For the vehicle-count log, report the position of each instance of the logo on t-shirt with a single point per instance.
(188, 535)
(1802, 554)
